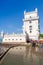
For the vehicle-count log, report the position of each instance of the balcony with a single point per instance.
(32, 18)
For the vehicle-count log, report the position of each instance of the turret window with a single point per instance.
(30, 21)
(30, 27)
(30, 31)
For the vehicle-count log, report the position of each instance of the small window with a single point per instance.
(9, 39)
(30, 27)
(30, 17)
(30, 22)
(30, 31)
(5, 39)
(12, 39)
(16, 39)
(20, 39)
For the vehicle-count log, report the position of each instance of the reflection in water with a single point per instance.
(24, 55)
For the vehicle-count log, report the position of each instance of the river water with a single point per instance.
(24, 55)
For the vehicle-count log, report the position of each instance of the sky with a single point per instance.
(12, 13)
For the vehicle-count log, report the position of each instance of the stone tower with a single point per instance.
(2, 34)
(31, 24)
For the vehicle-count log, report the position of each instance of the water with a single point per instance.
(24, 55)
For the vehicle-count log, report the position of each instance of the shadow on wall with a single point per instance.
(27, 37)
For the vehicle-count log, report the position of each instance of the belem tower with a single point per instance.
(31, 29)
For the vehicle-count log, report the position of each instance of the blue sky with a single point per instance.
(11, 14)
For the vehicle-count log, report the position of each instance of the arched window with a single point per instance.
(12, 39)
(8, 39)
(20, 39)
